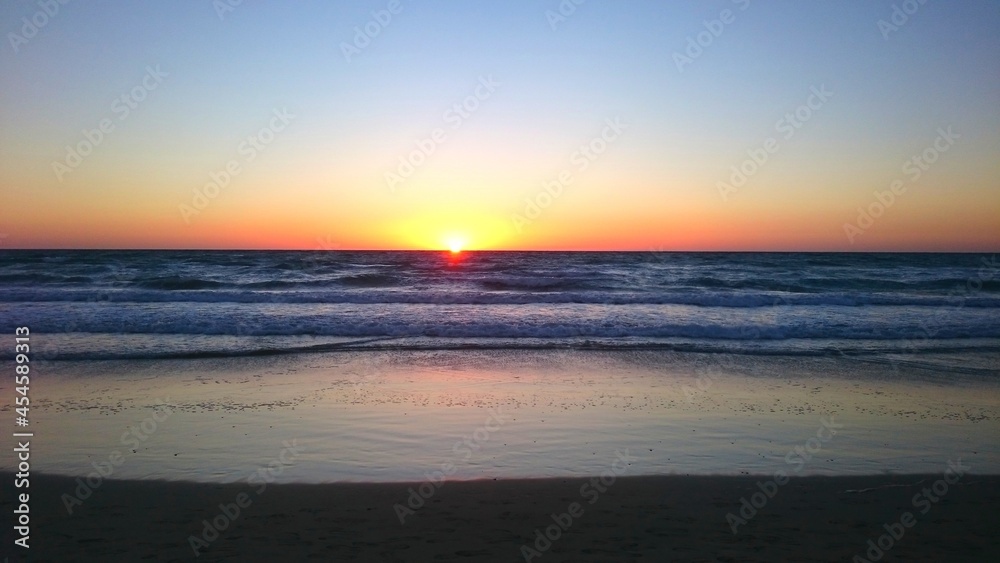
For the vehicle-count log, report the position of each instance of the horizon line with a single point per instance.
(467, 251)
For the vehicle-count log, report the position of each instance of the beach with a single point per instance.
(463, 455)
(399, 416)
(674, 518)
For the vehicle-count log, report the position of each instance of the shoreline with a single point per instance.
(635, 518)
(393, 417)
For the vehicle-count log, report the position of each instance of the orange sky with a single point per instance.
(481, 126)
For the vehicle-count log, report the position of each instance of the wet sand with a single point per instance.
(671, 518)
(393, 417)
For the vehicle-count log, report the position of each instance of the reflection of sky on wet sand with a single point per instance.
(398, 416)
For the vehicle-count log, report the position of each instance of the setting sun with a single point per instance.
(455, 245)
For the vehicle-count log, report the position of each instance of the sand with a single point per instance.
(668, 518)
(381, 419)
(391, 417)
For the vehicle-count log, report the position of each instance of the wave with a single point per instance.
(41, 278)
(833, 284)
(932, 356)
(531, 283)
(397, 323)
(369, 280)
(276, 284)
(181, 290)
(178, 283)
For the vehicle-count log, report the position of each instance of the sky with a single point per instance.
(848, 125)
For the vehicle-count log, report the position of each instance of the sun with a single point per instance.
(455, 243)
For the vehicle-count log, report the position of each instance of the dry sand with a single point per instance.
(670, 518)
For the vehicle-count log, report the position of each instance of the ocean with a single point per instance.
(177, 304)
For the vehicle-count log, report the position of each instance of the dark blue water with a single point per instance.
(137, 304)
